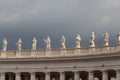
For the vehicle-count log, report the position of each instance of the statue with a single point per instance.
(106, 39)
(77, 42)
(34, 42)
(19, 44)
(91, 42)
(5, 44)
(118, 38)
(48, 42)
(62, 42)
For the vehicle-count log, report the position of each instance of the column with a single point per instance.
(118, 75)
(17, 76)
(32, 76)
(76, 76)
(90, 75)
(62, 75)
(104, 75)
(47, 76)
(2, 76)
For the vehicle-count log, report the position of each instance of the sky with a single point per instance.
(41, 18)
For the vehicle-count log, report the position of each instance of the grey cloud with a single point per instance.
(57, 17)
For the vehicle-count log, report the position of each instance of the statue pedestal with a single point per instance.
(77, 51)
(62, 52)
(91, 50)
(33, 53)
(106, 48)
(18, 53)
(48, 52)
(4, 54)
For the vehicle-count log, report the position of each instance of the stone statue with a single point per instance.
(48, 42)
(63, 42)
(118, 38)
(5, 44)
(77, 42)
(34, 42)
(92, 39)
(106, 39)
(19, 44)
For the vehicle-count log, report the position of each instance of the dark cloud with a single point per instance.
(29, 18)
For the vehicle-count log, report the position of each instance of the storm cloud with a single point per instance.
(40, 18)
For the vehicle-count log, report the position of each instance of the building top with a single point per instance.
(63, 51)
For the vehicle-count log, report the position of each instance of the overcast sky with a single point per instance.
(40, 18)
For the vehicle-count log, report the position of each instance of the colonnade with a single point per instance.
(67, 75)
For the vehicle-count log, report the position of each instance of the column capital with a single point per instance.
(32, 74)
(104, 71)
(90, 72)
(47, 72)
(61, 71)
(17, 74)
(76, 71)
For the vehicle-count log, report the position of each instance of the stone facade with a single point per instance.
(61, 64)
(92, 63)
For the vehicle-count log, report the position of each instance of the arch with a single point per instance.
(69, 75)
(84, 75)
(25, 76)
(97, 75)
(40, 76)
(9, 76)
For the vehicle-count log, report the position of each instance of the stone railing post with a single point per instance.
(18, 53)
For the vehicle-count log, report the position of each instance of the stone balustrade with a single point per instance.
(59, 52)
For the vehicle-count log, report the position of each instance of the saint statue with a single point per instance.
(5, 44)
(92, 39)
(118, 38)
(63, 42)
(77, 42)
(106, 39)
(34, 42)
(19, 44)
(48, 42)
